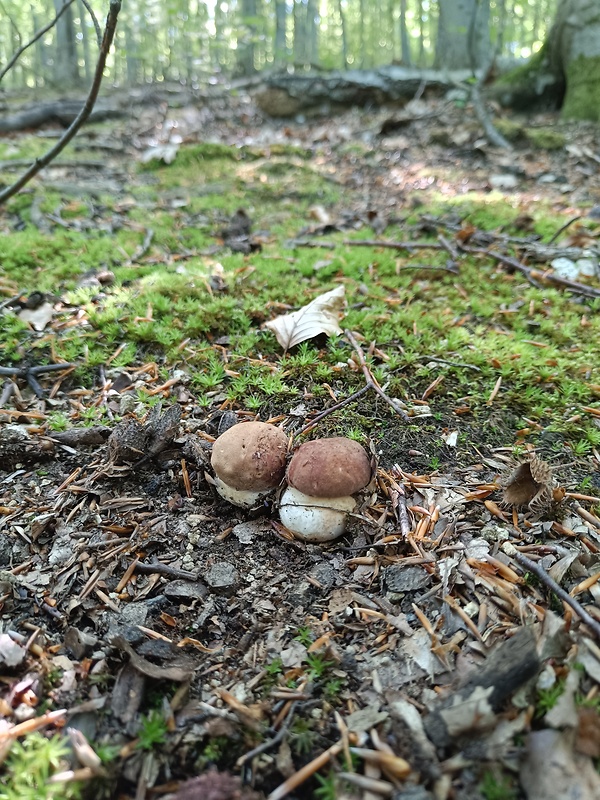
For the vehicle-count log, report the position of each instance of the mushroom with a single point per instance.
(322, 477)
(249, 462)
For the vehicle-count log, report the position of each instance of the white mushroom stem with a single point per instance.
(314, 519)
(245, 498)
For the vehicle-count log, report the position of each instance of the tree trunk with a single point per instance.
(299, 33)
(404, 40)
(246, 38)
(312, 32)
(566, 71)
(421, 34)
(85, 33)
(280, 53)
(66, 69)
(575, 43)
(344, 35)
(462, 39)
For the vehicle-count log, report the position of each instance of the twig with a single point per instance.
(40, 163)
(30, 374)
(393, 245)
(533, 275)
(164, 569)
(36, 36)
(541, 573)
(346, 401)
(267, 745)
(563, 228)
(95, 22)
(399, 502)
(486, 121)
(451, 363)
(370, 380)
(298, 778)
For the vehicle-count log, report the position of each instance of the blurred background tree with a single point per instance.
(195, 42)
(192, 41)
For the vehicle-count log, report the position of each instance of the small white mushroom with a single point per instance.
(322, 477)
(249, 462)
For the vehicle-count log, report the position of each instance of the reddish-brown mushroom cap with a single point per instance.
(334, 467)
(250, 456)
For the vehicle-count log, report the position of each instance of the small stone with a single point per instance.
(79, 643)
(405, 579)
(222, 577)
(185, 590)
(324, 573)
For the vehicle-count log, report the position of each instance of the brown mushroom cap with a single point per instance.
(250, 456)
(334, 467)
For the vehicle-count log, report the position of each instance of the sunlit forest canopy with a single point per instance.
(192, 42)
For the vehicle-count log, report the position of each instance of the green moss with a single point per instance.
(545, 138)
(582, 100)
(511, 130)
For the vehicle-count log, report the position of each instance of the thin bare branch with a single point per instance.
(94, 21)
(541, 573)
(40, 163)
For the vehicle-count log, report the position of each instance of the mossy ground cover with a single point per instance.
(143, 280)
(468, 329)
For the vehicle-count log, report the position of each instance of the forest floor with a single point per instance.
(447, 646)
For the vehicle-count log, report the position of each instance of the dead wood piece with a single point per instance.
(16, 447)
(62, 112)
(179, 672)
(473, 707)
(30, 374)
(134, 443)
(285, 94)
(82, 436)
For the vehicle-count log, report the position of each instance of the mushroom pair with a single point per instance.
(323, 476)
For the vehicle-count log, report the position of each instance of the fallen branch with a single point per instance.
(370, 380)
(371, 383)
(535, 275)
(40, 163)
(541, 573)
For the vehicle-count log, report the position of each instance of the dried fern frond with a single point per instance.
(528, 485)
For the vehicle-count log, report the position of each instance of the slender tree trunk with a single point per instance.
(421, 34)
(404, 40)
(344, 35)
(280, 53)
(461, 38)
(312, 33)
(66, 70)
(85, 34)
(361, 34)
(246, 38)
(299, 33)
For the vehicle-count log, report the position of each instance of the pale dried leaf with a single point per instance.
(322, 315)
(166, 152)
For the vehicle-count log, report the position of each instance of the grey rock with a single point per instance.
(222, 577)
(79, 643)
(325, 574)
(398, 578)
(185, 590)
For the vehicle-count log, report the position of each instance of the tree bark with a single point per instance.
(404, 40)
(463, 35)
(280, 51)
(66, 71)
(566, 71)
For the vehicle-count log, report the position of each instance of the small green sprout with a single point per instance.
(153, 731)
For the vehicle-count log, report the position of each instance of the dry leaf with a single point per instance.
(166, 152)
(322, 315)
